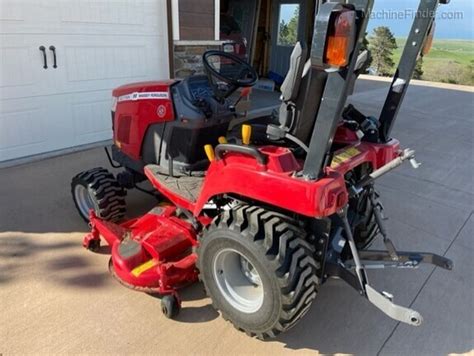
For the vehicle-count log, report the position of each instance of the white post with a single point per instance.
(217, 20)
(175, 19)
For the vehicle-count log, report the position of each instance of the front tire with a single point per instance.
(258, 269)
(99, 190)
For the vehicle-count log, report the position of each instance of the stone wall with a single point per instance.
(188, 58)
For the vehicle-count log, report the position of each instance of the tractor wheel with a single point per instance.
(258, 269)
(98, 189)
(366, 228)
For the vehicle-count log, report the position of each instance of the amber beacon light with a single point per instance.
(341, 38)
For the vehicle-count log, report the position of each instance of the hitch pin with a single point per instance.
(406, 155)
(410, 155)
(414, 163)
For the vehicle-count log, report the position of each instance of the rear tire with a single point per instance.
(249, 247)
(366, 228)
(99, 190)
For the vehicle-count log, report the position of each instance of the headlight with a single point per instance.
(228, 47)
(114, 103)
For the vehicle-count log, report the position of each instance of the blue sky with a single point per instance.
(397, 14)
(386, 13)
(287, 11)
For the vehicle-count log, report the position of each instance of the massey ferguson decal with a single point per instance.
(161, 111)
(144, 96)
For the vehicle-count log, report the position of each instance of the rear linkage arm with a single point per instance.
(363, 260)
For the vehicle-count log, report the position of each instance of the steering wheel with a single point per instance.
(227, 73)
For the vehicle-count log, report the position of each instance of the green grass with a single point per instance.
(449, 61)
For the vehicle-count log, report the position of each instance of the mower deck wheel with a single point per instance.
(94, 245)
(99, 190)
(170, 306)
(258, 268)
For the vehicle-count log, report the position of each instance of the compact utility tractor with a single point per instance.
(263, 216)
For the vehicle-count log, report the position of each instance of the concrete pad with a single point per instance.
(440, 220)
(466, 236)
(441, 194)
(447, 305)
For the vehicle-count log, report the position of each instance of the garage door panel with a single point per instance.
(21, 68)
(129, 12)
(118, 17)
(22, 131)
(21, 128)
(92, 120)
(86, 63)
(11, 11)
(95, 66)
(15, 66)
(22, 72)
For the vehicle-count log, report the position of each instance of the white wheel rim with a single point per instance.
(238, 281)
(84, 200)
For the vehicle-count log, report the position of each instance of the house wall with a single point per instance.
(188, 57)
(195, 31)
(196, 20)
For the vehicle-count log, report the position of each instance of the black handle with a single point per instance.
(45, 60)
(246, 150)
(52, 48)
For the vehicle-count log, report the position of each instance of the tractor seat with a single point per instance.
(186, 186)
(302, 92)
(301, 96)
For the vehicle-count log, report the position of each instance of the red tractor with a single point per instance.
(263, 217)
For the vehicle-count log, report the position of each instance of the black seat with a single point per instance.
(302, 91)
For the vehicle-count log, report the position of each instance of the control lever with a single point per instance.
(245, 92)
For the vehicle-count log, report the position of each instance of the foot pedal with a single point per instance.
(397, 312)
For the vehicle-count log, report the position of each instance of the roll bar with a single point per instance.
(419, 30)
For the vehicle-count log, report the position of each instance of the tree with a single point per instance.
(365, 47)
(288, 32)
(418, 73)
(382, 44)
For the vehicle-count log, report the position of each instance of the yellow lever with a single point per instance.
(209, 152)
(246, 134)
(222, 140)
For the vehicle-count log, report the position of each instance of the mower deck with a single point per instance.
(153, 253)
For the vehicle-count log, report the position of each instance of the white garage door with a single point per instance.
(99, 45)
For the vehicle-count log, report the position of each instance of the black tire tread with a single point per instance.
(107, 192)
(367, 230)
(287, 252)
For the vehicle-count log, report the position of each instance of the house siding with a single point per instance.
(197, 19)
